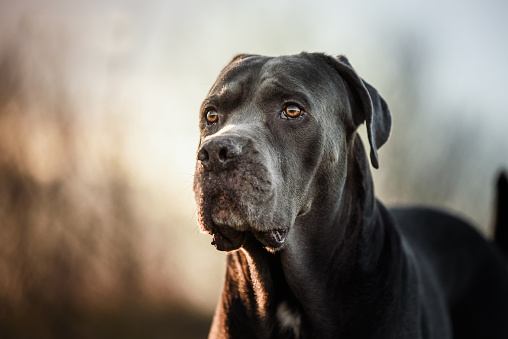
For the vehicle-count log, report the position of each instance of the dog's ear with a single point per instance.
(367, 106)
(239, 57)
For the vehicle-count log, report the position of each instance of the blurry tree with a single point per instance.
(72, 243)
(435, 154)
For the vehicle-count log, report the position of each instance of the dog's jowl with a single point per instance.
(283, 185)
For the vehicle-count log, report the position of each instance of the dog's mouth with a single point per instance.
(273, 239)
(231, 228)
(228, 239)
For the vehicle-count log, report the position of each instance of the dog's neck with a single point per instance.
(335, 278)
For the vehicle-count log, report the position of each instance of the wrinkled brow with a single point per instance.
(276, 91)
(228, 96)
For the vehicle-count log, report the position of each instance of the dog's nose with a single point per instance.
(219, 152)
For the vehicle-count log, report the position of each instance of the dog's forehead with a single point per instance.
(242, 77)
(300, 68)
(237, 74)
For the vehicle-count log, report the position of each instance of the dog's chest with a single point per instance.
(290, 320)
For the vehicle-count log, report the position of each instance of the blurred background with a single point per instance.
(98, 132)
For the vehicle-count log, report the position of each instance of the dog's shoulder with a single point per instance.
(434, 230)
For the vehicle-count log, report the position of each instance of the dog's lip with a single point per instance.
(274, 238)
(228, 239)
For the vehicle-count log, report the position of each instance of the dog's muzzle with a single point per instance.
(233, 187)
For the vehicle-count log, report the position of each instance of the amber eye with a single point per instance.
(293, 111)
(212, 116)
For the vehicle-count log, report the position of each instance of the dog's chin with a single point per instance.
(231, 228)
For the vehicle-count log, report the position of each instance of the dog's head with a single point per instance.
(275, 135)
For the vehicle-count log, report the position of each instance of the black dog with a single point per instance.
(283, 184)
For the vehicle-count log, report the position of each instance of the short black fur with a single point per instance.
(342, 265)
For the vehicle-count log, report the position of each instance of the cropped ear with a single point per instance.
(366, 106)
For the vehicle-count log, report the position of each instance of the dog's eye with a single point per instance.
(292, 112)
(212, 116)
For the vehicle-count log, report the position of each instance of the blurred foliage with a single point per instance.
(73, 248)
